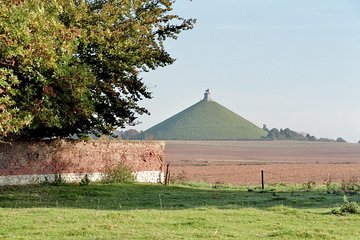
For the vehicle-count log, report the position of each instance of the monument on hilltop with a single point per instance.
(205, 120)
(207, 96)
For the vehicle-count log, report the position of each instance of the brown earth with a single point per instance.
(241, 162)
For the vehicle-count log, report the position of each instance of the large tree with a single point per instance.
(73, 66)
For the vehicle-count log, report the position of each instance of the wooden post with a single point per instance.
(262, 179)
(167, 174)
(169, 177)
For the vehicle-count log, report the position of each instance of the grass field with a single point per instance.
(191, 211)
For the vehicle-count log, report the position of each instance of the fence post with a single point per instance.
(262, 179)
(167, 174)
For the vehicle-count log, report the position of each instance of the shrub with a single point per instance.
(85, 181)
(347, 207)
(309, 185)
(350, 185)
(119, 174)
(58, 181)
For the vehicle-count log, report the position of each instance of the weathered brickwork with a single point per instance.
(29, 160)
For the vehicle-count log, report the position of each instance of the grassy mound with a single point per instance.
(205, 120)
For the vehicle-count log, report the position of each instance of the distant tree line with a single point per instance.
(130, 134)
(273, 135)
(288, 134)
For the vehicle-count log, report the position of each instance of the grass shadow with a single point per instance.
(176, 197)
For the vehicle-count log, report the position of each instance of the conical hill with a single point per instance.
(205, 120)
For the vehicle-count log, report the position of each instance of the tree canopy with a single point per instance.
(73, 67)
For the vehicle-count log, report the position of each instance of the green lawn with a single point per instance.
(199, 211)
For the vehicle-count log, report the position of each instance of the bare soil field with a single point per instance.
(241, 162)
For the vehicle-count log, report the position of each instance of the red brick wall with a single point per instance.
(60, 156)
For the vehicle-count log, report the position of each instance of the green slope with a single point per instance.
(205, 120)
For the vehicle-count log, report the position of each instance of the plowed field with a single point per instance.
(241, 162)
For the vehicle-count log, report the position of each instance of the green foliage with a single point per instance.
(339, 139)
(310, 185)
(347, 207)
(11, 118)
(287, 134)
(119, 174)
(85, 181)
(290, 135)
(205, 120)
(73, 67)
(57, 181)
(350, 185)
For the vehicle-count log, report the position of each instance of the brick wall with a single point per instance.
(79, 157)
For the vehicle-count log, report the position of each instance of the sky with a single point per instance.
(287, 64)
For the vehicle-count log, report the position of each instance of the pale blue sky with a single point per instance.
(285, 63)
